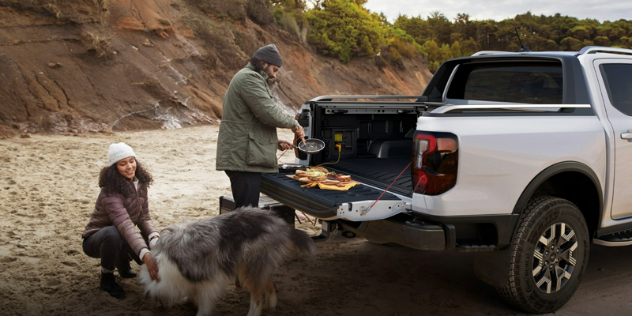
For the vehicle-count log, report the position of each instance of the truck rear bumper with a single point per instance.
(417, 235)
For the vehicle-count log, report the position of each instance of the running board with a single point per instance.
(618, 239)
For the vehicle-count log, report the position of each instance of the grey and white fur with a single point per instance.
(196, 260)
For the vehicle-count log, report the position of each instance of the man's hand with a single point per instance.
(152, 267)
(284, 145)
(299, 132)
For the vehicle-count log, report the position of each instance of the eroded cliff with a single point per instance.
(108, 65)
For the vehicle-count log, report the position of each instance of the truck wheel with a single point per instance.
(548, 256)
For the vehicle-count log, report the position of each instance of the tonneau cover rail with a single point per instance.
(513, 107)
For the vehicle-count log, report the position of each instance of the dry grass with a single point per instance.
(288, 23)
(99, 44)
(75, 11)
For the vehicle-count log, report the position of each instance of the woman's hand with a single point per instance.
(284, 145)
(152, 267)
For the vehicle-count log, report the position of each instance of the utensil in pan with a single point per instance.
(310, 146)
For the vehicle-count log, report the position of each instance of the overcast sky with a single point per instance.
(609, 10)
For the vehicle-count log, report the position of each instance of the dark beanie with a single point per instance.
(269, 54)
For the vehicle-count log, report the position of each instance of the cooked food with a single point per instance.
(316, 174)
(319, 169)
(319, 174)
(344, 178)
(318, 178)
(310, 147)
(330, 182)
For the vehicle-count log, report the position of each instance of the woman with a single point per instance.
(111, 233)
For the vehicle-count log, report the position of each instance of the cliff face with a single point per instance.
(108, 65)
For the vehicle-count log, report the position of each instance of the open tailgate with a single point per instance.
(354, 204)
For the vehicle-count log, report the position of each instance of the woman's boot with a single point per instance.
(108, 284)
(124, 268)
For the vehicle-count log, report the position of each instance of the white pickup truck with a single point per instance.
(520, 157)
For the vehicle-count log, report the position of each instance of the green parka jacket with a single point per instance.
(247, 139)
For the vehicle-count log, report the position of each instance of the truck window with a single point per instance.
(535, 83)
(618, 79)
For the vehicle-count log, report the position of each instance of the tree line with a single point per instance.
(346, 29)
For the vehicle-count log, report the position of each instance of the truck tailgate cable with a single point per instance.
(389, 186)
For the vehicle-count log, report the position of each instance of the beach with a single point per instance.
(48, 187)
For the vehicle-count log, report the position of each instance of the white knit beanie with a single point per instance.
(118, 152)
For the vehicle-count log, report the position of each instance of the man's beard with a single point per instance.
(273, 83)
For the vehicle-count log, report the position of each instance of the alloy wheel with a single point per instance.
(553, 261)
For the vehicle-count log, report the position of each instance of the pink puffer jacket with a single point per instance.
(125, 214)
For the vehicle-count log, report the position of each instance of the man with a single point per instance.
(247, 140)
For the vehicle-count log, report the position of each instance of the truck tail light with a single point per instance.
(435, 162)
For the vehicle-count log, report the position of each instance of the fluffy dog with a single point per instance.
(196, 260)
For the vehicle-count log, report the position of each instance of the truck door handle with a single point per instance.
(627, 135)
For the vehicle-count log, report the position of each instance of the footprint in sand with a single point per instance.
(52, 283)
(51, 286)
(72, 252)
(70, 264)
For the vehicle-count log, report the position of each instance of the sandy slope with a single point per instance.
(48, 184)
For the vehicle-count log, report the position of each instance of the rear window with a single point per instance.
(619, 85)
(535, 83)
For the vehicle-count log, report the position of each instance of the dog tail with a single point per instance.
(303, 242)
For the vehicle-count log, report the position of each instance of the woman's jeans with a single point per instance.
(111, 247)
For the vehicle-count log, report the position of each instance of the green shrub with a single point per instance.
(395, 56)
(343, 29)
(433, 66)
(403, 48)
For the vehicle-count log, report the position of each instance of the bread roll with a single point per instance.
(344, 178)
(320, 178)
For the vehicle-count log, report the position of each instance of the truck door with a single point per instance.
(615, 80)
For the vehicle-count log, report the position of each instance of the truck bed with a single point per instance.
(377, 172)
(371, 141)
(373, 173)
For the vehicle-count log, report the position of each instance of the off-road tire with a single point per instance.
(539, 231)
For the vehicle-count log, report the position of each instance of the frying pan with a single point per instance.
(311, 146)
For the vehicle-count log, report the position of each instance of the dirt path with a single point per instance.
(48, 185)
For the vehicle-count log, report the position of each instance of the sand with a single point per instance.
(48, 187)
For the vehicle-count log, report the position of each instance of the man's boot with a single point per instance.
(108, 284)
